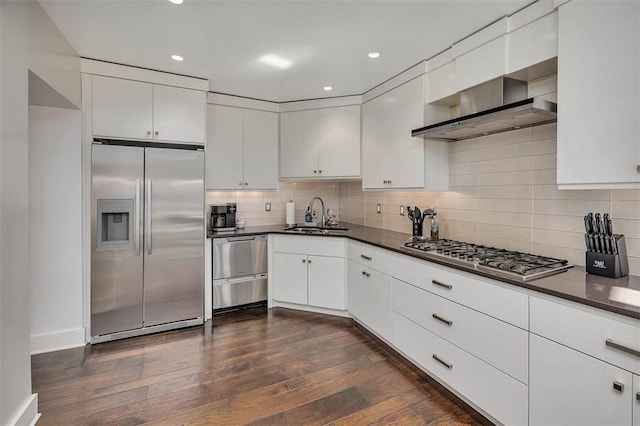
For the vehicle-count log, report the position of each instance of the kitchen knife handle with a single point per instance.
(147, 224)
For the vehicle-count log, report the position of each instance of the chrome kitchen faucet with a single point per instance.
(310, 208)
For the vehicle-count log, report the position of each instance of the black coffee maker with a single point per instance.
(223, 217)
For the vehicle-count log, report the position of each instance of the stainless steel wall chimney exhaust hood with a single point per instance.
(500, 105)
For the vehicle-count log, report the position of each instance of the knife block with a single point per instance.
(609, 265)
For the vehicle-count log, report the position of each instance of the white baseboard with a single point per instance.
(64, 339)
(27, 414)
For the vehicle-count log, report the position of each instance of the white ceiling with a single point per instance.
(327, 41)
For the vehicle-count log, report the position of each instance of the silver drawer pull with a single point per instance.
(622, 348)
(443, 362)
(618, 386)
(444, 320)
(366, 274)
(366, 257)
(438, 283)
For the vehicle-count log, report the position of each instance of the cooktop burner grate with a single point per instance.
(507, 262)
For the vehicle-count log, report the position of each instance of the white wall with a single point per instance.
(55, 209)
(29, 40)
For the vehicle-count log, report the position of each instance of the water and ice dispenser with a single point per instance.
(115, 224)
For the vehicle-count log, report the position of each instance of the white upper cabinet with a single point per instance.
(339, 141)
(299, 144)
(178, 114)
(481, 57)
(441, 77)
(122, 108)
(320, 142)
(242, 149)
(599, 95)
(138, 110)
(391, 157)
(532, 43)
(260, 149)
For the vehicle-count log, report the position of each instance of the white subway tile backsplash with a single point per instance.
(558, 223)
(545, 146)
(559, 238)
(522, 177)
(544, 161)
(515, 164)
(504, 205)
(551, 192)
(505, 191)
(504, 218)
(569, 207)
(625, 209)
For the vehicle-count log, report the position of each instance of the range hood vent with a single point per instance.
(500, 105)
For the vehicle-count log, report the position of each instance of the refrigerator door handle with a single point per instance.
(147, 222)
(138, 219)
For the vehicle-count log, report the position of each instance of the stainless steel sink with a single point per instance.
(316, 230)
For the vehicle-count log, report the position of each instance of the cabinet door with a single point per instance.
(260, 150)
(178, 114)
(339, 141)
(533, 43)
(290, 277)
(598, 87)
(481, 64)
(224, 148)
(570, 388)
(299, 144)
(379, 303)
(326, 282)
(391, 158)
(122, 108)
(357, 295)
(636, 400)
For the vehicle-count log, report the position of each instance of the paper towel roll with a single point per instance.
(291, 213)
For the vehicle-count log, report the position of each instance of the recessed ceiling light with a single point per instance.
(374, 55)
(327, 88)
(177, 58)
(176, 1)
(275, 61)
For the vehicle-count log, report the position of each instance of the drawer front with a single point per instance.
(500, 344)
(501, 396)
(371, 256)
(492, 299)
(588, 332)
(319, 246)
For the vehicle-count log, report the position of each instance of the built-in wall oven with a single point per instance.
(239, 271)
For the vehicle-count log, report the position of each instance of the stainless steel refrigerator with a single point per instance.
(147, 239)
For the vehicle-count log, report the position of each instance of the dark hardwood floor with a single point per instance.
(259, 367)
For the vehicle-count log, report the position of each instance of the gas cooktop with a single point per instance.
(512, 264)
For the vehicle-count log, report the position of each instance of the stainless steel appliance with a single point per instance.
(147, 239)
(223, 217)
(239, 271)
(499, 105)
(512, 264)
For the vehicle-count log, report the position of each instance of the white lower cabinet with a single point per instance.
(309, 271)
(290, 277)
(636, 400)
(357, 296)
(570, 388)
(494, 392)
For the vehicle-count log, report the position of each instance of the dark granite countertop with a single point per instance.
(621, 296)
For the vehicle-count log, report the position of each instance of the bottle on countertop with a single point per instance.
(307, 217)
(435, 227)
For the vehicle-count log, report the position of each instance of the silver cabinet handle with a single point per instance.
(148, 132)
(157, 133)
(637, 396)
(443, 362)
(385, 181)
(443, 285)
(239, 183)
(304, 260)
(618, 386)
(441, 319)
(315, 172)
(319, 171)
(246, 183)
(366, 257)
(147, 222)
(622, 348)
(638, 168)
(389, 181)
(138, 219)
(309, 261)
(366, 274)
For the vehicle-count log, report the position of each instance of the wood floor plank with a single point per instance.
(258, 366)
